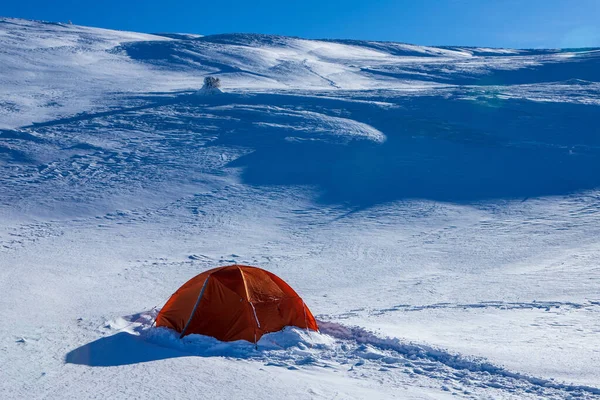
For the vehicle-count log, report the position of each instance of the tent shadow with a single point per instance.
(120, 349)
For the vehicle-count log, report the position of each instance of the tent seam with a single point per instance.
(248, 299)
(245, 284)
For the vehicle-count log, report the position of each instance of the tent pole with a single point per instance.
(195, 306)
(257, 324)
(305, 319)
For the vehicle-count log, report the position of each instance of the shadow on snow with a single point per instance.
(120, 349)
(437, 148)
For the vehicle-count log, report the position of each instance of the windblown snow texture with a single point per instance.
(436, 207)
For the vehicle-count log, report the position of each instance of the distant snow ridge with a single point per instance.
(71, 69)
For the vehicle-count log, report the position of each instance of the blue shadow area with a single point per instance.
(440, 149)
(119, 349)
(437, 148)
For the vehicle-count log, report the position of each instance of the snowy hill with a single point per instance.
(436, 207)
(69, 69)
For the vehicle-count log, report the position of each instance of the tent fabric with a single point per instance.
(236, 302)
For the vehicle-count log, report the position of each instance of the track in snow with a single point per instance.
(349, 349)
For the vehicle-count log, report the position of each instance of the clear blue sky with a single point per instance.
(498, 23)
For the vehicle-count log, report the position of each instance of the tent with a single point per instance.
(235, 302)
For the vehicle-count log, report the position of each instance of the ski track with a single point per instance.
(499, 305)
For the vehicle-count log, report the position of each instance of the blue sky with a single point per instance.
(498, 23)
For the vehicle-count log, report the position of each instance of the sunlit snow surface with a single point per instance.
(437, 209)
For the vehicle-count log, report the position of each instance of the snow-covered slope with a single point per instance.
(436, 207)
(52, 70)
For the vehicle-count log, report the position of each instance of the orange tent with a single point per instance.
(235, 302)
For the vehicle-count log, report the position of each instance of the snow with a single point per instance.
(436, 208)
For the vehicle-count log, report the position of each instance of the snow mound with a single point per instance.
(289, 343)
(208, 91)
